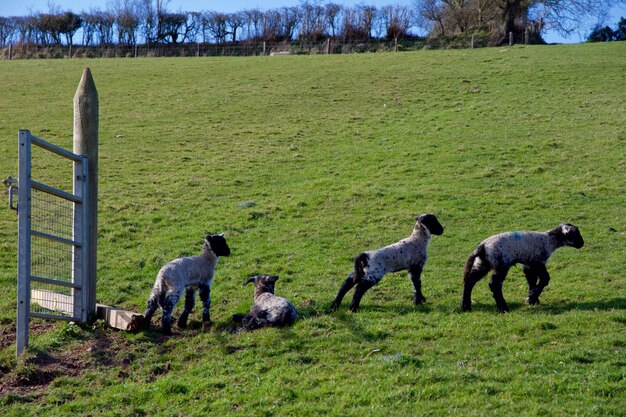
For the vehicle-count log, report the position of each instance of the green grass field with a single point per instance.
(339, 154)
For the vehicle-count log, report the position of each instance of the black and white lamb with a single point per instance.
(408, 254)
(531, 249)
(268, 310)
(186, 274)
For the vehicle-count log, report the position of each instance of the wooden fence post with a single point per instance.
(510, 38)
(86, 144)
(526, 36)
(473, 42)
(328, 46)
(10, 52)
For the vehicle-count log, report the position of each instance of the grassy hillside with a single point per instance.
(339, 154)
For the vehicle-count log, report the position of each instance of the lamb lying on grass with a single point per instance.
(531, 249)
(268, 309)
(186, 274)
(408, 254)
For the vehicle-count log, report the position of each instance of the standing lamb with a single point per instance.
(408, 254)
(531, 249)
(186, 274)
(268, 309)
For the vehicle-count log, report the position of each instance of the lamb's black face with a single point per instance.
(572, 236)
(263, 283)
(218, 244)
(431, 223)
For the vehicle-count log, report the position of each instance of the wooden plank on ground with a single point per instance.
(119, 319)
(52, 301)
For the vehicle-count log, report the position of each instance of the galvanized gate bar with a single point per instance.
(23, 232)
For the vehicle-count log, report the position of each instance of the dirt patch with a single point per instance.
(39, 369)
(8, 333)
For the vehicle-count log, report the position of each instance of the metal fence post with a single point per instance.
(86, 144)
(24, 223)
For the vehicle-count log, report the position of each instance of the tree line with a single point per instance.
(149, 22)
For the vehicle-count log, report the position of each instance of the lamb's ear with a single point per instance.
(221, 235)
(249, 280)
(272, 278)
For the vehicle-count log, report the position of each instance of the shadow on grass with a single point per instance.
(556, 308)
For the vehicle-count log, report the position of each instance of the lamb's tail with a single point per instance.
(360, 263)
(479, 252)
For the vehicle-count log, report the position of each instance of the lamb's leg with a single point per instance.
(167, 305)
(345, 287)
(205, 297)
(495, 284)
(474, 276)
(190, 301)
(255, 322)
(532, 278)
(361, 288)
(151, 308)
(415, 273)
(544, 279)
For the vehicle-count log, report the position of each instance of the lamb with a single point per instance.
(268, 310)
(186, 274)
(408, 254)
(531, 249)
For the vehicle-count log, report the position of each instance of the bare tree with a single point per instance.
(332, 12)
(217, 26)
(235, 21)
(7, 30)
(433, 12)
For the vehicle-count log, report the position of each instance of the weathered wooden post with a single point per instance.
(264, 49)
(395, 44)
(473, 42)
(86, 144)
(10, 52)
(510, 38)
(526, 36)
(328, 46)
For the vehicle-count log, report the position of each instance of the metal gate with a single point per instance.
(53, 239)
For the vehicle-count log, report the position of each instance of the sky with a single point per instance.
(25, 7)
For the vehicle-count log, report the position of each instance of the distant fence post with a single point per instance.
(10, 51)
(510, 38)
(198, 51)
(86, 144)
(526, 36)
(135, 50)
(473, 42)
(264, 48)
(395, 44)
(328, 46)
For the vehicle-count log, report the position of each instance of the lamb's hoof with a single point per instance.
(207, 324)
(182, 322)
(353, 309)
(195, 325)
(532, 301)
(504, 310)
(333, 307)
(466, 308)
(419, 300)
